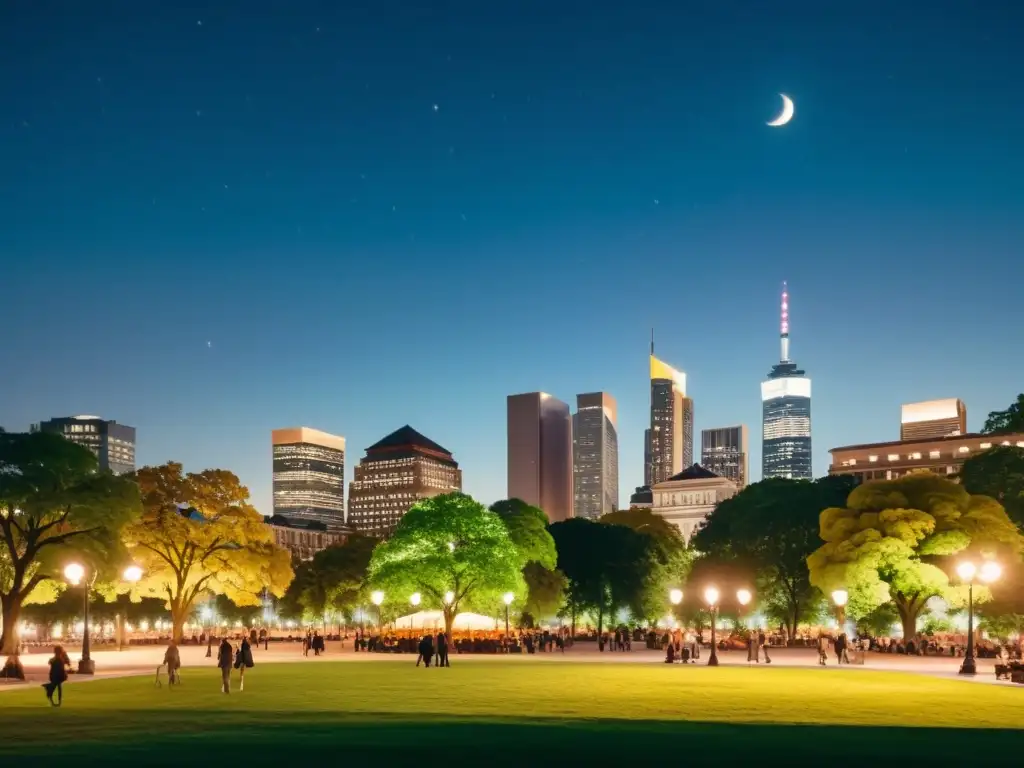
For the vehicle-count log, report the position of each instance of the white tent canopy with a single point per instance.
(434, 620)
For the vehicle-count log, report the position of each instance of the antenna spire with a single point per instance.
(652, 342)
(784, 323)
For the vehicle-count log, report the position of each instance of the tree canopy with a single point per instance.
(449, 543)
(1008, 421)
(606, 567)
(528, 528)
(890, 539)
(199, 534)
(772, 527)
(55, 505)
(333, 580)
(999, 473)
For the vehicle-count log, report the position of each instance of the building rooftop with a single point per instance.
(407, 437)
(695, 472)
(642, 495)
(923, 440)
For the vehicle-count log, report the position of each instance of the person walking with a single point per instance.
(752, 653)
(225, 658)
(840, 647)
(426, 650)
(762, 643)
(442, 650)
(172, 658)
(59, 664)
(243, 662)
(823, 644)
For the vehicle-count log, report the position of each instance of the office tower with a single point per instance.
(786, 413)
(309, 475)
(397, 472)
(669, 441)
(112, 443)
(724, 451)
(933, 419)
(595, 446)
(540, 453)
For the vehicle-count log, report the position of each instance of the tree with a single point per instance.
(606, 567)
(670, 562)
(335, 576)
(198, 534)
(772, 527)
(1006, 422)
(449, 543)
(998, 473)
(528, 528)
(890, 539)
(54, 504)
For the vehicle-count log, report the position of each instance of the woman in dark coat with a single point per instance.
(225, 656)
(243, 662)
(58, 675)
(426, 649)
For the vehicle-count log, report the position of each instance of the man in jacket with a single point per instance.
(225, 658)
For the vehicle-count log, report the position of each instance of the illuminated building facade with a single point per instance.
(540, 453)
(786, 414)
(687, 498)
(724, 451)
(668, 444)
(396, 472)
(309, 475)
(304, 538)
(112, 443)
(940, 455)
(595, 446)
(932, 419)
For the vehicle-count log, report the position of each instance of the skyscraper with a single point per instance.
(595, 446)
(933, 419)
(540, 453)
(724, 451)
(112, 443)
(309, 475)
(786, 413)
(669, 441)
(396, 472)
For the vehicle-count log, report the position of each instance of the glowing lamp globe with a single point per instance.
(675, 596)
(990, 571)
(840, 597)
(132, 573)
(74, 572)
(711, 596)
(966, 571)
(449, 598)
(744, 596)
(377, 598)
(508, 597)
(415, 598)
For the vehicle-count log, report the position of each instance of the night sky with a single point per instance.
(246, 215)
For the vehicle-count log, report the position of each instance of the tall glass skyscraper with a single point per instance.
(669, 441)
(309, 475)
(786, 413)
(595, 450)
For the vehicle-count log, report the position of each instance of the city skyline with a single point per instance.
(211, 231)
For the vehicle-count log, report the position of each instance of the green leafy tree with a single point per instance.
(449, 543)
(198, 535)
(772, 527)
(998, 473)
(891, 538)
(55, 505)
(528, 528)
(606, 567)
(334, 578)
(670, 558)
(1006, 422)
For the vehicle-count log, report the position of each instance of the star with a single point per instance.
(209, 345)
(657, 202)
(436, 107)
(199, 23)
(199, 113)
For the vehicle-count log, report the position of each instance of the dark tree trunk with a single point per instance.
(909, 610)
(11, 613)
(600, 631)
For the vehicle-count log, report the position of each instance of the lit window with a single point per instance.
(914, 455)
(963, 449)
(986, 446)
(934, 454)
(894, 457)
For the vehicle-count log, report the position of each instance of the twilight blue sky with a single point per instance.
(403, 212)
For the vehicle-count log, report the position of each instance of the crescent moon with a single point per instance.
(787, 112)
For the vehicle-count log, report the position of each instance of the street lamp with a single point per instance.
(415, 599)
(711, 598)
(990, 571)
(377, 598)
(675, 596)
(840, 597)
(75, 574)
(744, 597)
(131, 574)
(508, 597)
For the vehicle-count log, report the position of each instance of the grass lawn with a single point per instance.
(502, 711)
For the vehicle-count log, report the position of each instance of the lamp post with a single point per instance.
(131, 574)
(377, 598)
(711, 598)
(207, 614)
(75, 574)
(840, 597)
(508, 597)
(967, 571)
